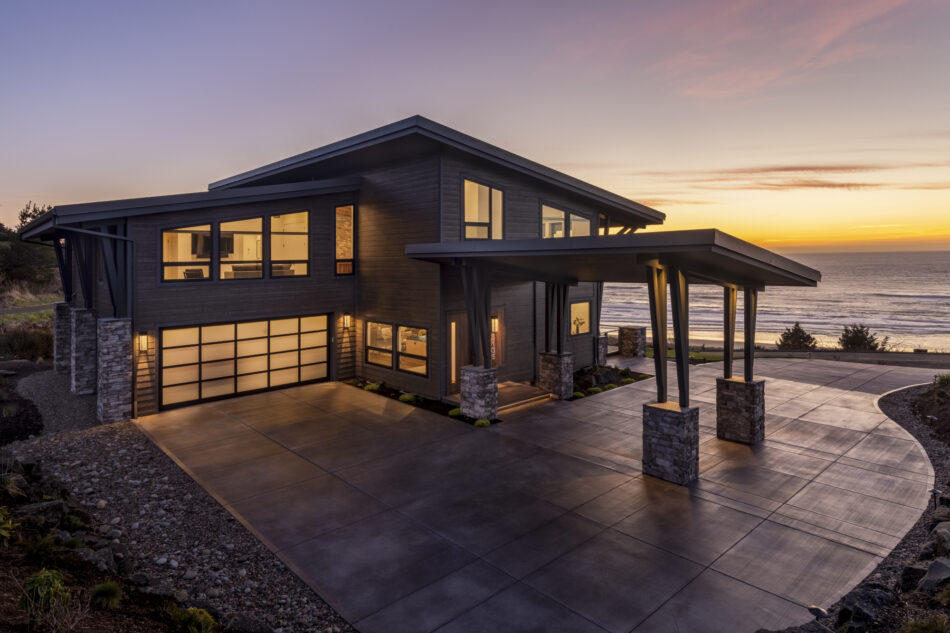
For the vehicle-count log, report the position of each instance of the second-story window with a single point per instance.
(186, 253)
(289, 244)
(240, 249)
(482, 212)
(345, 228)
(560, 223)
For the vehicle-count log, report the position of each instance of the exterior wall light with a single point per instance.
(346, 321)
(143, 341)
(495, 325)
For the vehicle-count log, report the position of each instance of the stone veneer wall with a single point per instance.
(556, 374)
(479, 392)
(671, 442)
(740, 410)
(601, 350)
(632, 341)
(82, 351)
(114, 384)
(62, 337)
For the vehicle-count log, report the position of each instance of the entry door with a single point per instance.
(458, 354)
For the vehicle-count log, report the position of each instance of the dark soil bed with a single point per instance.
(19, 418)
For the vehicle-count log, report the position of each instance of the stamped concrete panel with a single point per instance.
(762, 482)
(824, 437)
(560, 479)
(892, 451)
(843, 417)
(878, 485)
(891, 518)
(543, 545)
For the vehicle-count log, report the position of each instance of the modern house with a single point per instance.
(411, 254)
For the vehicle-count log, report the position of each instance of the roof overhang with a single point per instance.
(44, 226)
(418, 134)
(707, 256)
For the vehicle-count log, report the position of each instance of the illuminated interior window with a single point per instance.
(413, 350)
(289, 244)
(580, 318)
(483, 212)
(240, 249)
(379, 344)
(186, 253)
(345, 229)
(557, 223)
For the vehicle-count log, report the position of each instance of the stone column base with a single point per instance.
(740, 410)
(556, 374)
(479, 392)
(632, 341)
(82, 353)
(114, 382)
(671, 442)
(62, 337)
(602, 350)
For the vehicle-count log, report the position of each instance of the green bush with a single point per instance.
(30, 343)
(593, 391)
(192, 620)
(407, 397)
(107, 595)
(74, 543)
(627, 381)
(373, 386)
(578, 394)
(932, 624)
(454, 413)
(796, 338)
(73, 523)
(41, 551)
(941, 387)
(482, 422)
(9, 527)
(45, 597)
(858, 337)
(609, 386)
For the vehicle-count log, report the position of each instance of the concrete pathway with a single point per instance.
(404, 520)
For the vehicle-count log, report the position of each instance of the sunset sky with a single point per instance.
(800, 125)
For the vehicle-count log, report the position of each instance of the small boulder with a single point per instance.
(243, 623)
(938, 574)
(140, 579)
(44, 512)
(941, 514)
(860, 606)
(809, 627)
(911, 576)
(941, 537)
(103, 558)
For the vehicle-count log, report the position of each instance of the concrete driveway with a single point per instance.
(404, 520)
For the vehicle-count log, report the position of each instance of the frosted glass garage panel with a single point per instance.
(252, 347)
(181, 393)
(216, 333)
(313, 339)
(255, 329)
(284, 326)
(179, 356)
(179, 337)
(252, 382)
(283, 343)
(309, 324)
(313, 372)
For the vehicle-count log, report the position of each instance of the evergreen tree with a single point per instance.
(796, 338)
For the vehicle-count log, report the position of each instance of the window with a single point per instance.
(186, 253)
(413, 350)
(483, 212)
(559, 223)
(239, 249)
(379, 344)
(344, 240)
(289, 244)
(580, 318)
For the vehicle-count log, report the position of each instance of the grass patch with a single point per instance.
(30, 343)
(933, 624)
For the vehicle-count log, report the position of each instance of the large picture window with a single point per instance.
(289, 244)
(186, 253)
(557, 223)
(483, 212)
(345, 229)
(240, 249)
(379, 344)
(580, 318)
(413, 350)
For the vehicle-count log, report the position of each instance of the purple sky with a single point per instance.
(797, 125)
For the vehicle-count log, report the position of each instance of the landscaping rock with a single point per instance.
(810, 627)
(941, 537)
(242, 623)
(45, 512)
(861, 605)
(103, 558)
(941, 514)
(911, 576)
(938, 574)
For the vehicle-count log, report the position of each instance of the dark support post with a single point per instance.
(656, 286)
(64, 260)
(751, 300)
(679, 296)
(731, 296)
(479, 388)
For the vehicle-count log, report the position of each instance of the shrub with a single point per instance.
(627, 381)
(107, 595)
(796, 338)
(578, 394)
(941, 387)
(456, 412)
(373, 386)
(74, 543)
(593, 391)
(482, 422)
(858, 337)
(8, 527)
(192, 620)
(40, 552)
(933, 624)
(609, 386)
(407, 397)
(30, 343)
(45, 598)
(73, 523)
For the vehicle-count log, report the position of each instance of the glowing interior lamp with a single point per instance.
(495, 324)
(346, 321)
(143, 341)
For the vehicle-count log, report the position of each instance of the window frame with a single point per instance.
(590, 319)
(567, 221)
(367, 347)
(162, 264)
(265, 255)
(336, 261)
(490, 224)
(270, 261)
(397, 353)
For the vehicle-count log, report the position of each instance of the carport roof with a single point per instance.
(707, 255)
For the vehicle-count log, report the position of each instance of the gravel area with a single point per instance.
(60, 408)
(177, 535)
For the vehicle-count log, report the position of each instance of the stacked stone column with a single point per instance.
(114, 385)
(601, 350)
(671, 442)
(556, 374)
(62, 337)
(632, 341)
(740, 410)
(479, 392)
(82, 347)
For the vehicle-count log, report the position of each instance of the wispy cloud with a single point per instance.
(669, 202)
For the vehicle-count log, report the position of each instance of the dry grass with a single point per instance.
(20, 294)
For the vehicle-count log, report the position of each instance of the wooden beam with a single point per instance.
(656, 286)
(730, 297)
(749, 308)
(679, 296)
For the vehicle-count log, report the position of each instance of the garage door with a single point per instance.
(226, 359)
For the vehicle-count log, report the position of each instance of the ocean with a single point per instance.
(904, 296)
